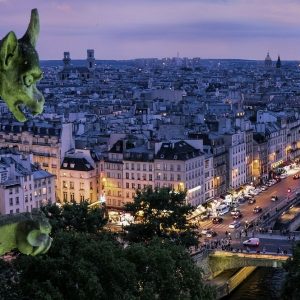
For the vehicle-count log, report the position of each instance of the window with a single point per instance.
(71, 185)
(17, 200)
(65, 194)
(65, 184)
(72, 197)
(127, 185)
(11, 202)
(133, 185)
(178, 168)
(81, 197)
(81, 185)
(150, 177)
(10, 191)
(127, 175)
(17, 210)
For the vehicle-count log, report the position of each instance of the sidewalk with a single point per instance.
(275, 236)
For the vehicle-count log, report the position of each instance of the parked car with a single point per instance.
(284, 175)
(296, 176)
(251, 242)
(204, 217)
(205, 230)
(257, 209)
(210, 233)
(274, 198)
(217, 220)
(251, 201)
(235, 224)
(264, 188)
(242, 200)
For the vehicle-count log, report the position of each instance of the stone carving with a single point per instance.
(20, 70)
(27, 232)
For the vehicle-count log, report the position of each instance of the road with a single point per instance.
(263, 200)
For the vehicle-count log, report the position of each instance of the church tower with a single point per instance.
(67, 59)
(278, 63)
(90, 60)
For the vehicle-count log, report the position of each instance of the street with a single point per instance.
(263, 200)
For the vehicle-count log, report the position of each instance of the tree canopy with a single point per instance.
(161, 213)
(291, 287)
(73, 216)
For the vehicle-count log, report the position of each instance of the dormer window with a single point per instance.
(65, 165)
(72, 165)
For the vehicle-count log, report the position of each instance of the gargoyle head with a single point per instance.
(20, 70)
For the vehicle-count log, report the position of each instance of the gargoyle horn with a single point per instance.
(33, 30)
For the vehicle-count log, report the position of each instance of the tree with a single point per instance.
(75, 217)
(166, 271)
(291, 287)
(160, 213)
(84, 266)
(78, 266)
(9, 289)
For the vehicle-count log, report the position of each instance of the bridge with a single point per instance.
(214, 262)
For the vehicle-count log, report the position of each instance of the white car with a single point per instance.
(282, 176)
(234, 224)
(205, 230)
(264, 187)
(251, 242)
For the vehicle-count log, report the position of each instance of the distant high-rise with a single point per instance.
(90, 59)
(278, 63)
(268, 61)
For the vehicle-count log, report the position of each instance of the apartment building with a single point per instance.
(79, 176)
(22, 186)
(46, 141)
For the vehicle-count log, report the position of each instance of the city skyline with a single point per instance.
(137, 29)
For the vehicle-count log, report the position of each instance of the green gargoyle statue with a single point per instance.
(20, 70)
(27, 232)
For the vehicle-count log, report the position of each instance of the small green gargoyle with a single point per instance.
(20, 70)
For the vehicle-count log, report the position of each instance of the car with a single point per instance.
(217, 220)
(257, 209)
(296, 176)
(205, 230)
(251, 201)
(264, 188)
(237, 216)
(210, 233)
(278, 179)
(235, 224)
(235, 211)
(284, 175)
(254, 192)
(203, 217)
(252, 242)
(242, 200)
(274, 198)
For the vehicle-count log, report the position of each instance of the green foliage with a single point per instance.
(78, 266)
(75, 217)
(160, 213)
(166, 271)
(9, 289)
(86, 266)
(291, 288)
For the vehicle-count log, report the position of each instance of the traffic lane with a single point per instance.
(270, 245)
(263, 200)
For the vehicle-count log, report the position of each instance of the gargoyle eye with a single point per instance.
(28, 80)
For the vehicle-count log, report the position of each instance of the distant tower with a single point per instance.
(67, 59)
(278, 63)
(268, 61)
(90, 60)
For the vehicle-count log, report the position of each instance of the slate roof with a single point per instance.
(177, 151)
(76, 164)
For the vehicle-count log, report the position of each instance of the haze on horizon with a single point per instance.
(126, 29)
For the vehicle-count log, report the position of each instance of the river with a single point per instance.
(263, 283)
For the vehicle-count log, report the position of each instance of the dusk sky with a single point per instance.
(124, 29)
